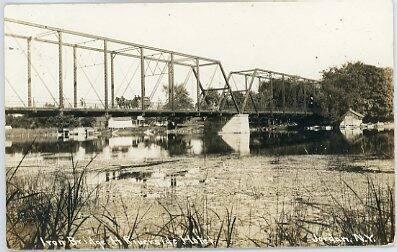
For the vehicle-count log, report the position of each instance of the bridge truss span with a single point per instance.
(66, 69)
(259, 90)
(53, 70)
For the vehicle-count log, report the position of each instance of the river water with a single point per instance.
(257, 178)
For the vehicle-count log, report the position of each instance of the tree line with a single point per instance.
(364, 88)
(58, 121)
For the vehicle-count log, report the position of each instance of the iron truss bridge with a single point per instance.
(53, 71)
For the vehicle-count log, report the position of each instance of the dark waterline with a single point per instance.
(370, 143)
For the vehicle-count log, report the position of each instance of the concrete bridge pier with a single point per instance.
(236, 133)
(238, 124)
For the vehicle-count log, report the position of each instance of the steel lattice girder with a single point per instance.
(269, 75)
(126, 49)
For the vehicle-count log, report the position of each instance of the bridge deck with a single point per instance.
(135, 112)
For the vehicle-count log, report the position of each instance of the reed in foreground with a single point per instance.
(41, 210)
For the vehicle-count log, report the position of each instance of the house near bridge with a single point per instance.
(120, 123)
(125, 122)
(351, 119)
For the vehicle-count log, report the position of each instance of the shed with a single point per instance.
(120, 123)
(352, 119)
(140, 121)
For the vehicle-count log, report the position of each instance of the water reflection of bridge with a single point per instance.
(136, 141)
(149, 182)
(269, 143)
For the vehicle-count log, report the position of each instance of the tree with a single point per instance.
(182, 100)
(58, 121)
(211, 99)
(227, 102)
(364, 88)
(87, 121)
(293, 92)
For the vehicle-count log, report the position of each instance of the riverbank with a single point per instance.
(20, 133)
(379, 125)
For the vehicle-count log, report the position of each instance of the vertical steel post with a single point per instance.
(198, 83)
(283, 90)
(314, 89)
(200, 86)
(112, 55)
(296, 96)
(29, 44)
(142, 78)
(246, 82)
(105, 72)
(171, 82)
(60, 70)
(271, 95)
(259, 84)
(74, 77)
(304, 98)
(248, 91)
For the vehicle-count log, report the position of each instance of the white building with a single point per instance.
(140, 121)
(352, 119)
(120, 123)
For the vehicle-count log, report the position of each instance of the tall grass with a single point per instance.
(372, 214)
(352, 216)
(39, 209)
(188, 223)
(124, 229)
(184, 226)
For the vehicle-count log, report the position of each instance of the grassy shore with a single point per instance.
(20, 133)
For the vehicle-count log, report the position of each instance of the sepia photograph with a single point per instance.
(167, 125)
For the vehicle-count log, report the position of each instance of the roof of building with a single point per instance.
(355, 113)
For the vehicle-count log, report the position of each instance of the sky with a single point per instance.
(301, 38)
